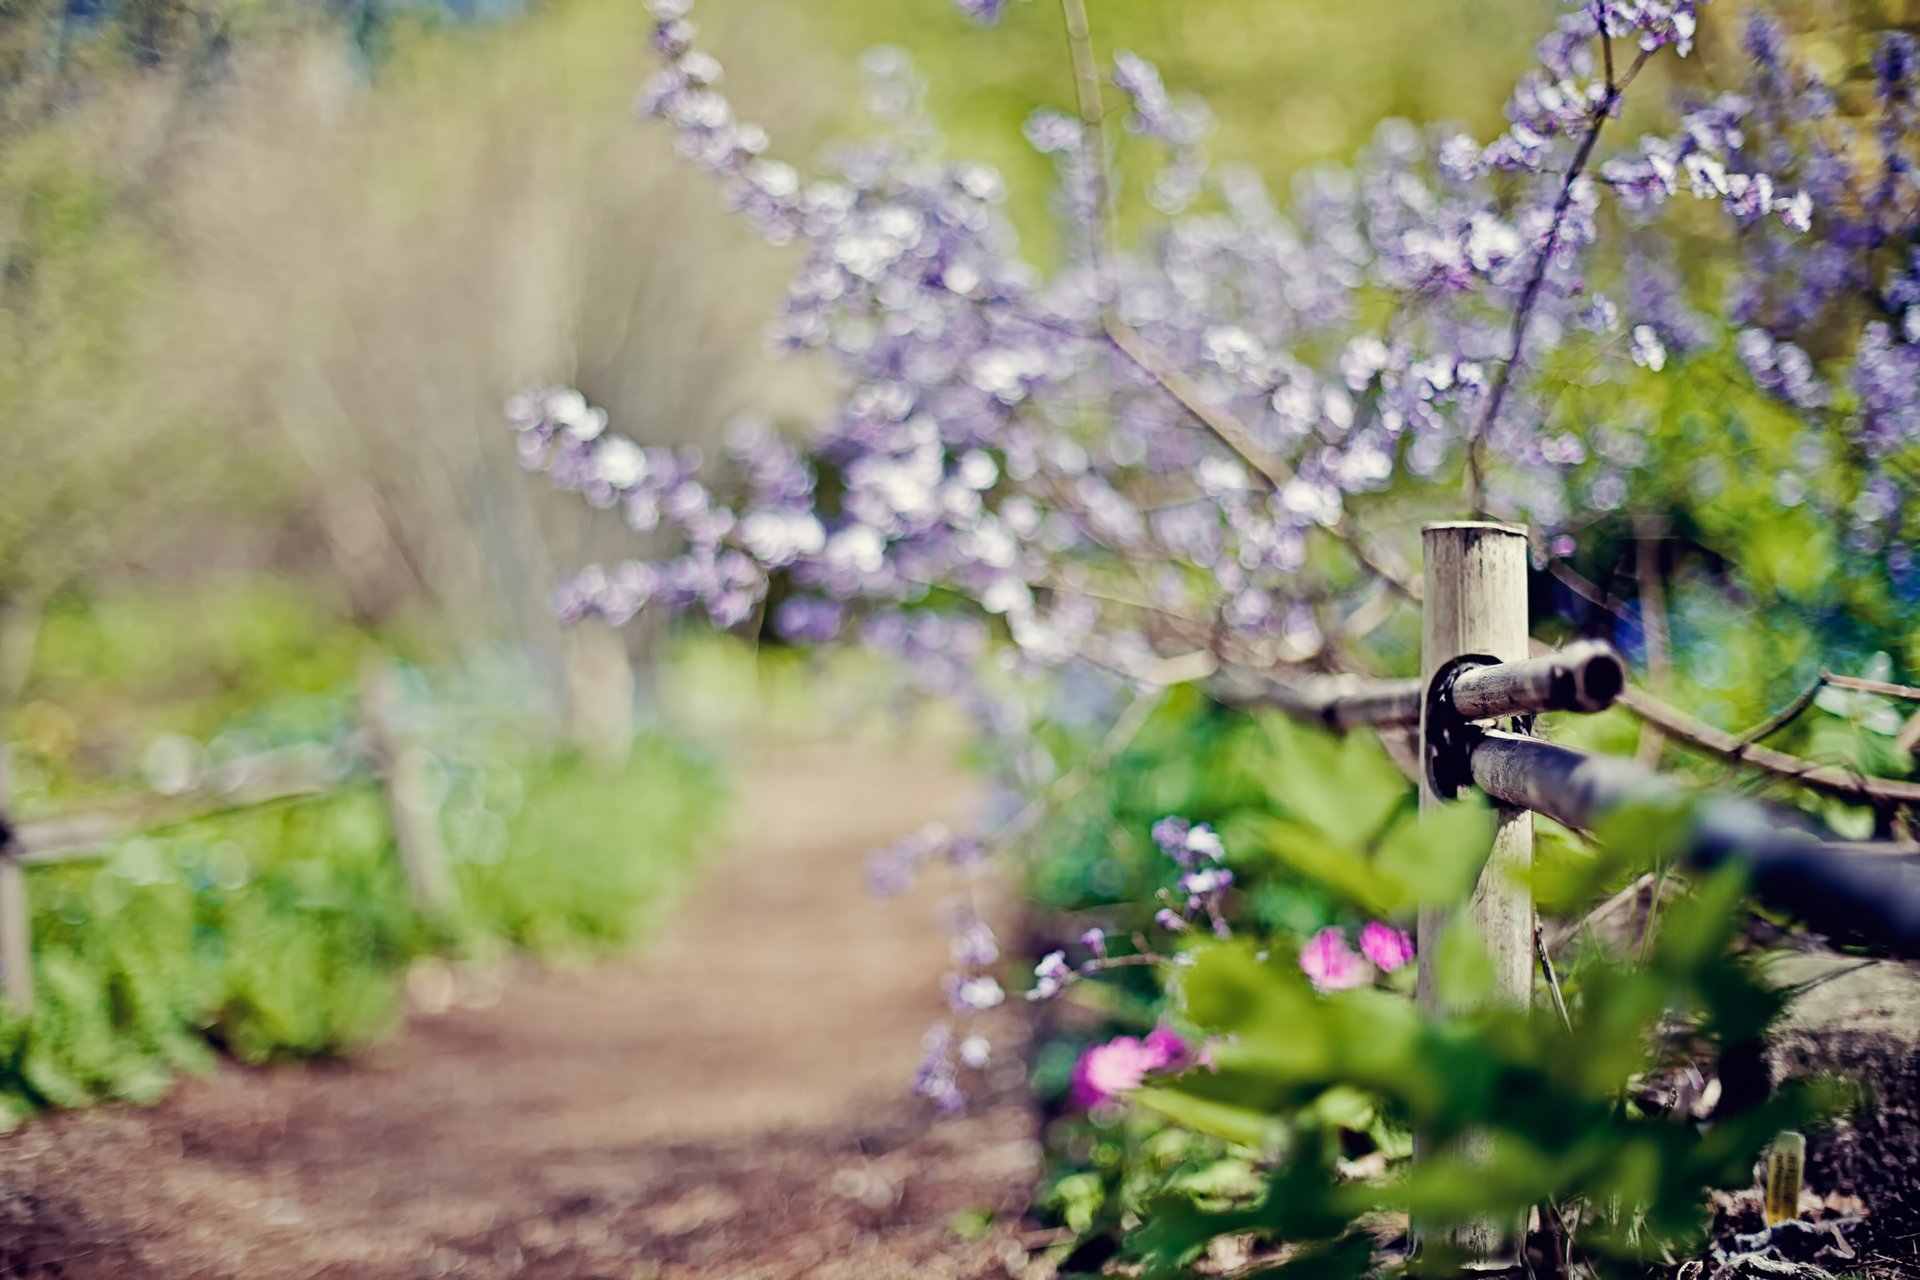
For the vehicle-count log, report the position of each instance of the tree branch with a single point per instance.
(1530, 292)
(1826, 779)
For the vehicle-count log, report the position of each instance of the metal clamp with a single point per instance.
(1447, 751)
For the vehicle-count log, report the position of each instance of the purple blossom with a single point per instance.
(935, 1078)
(974, 994)
(1050, 975)
(1373, 331)
(984, 12)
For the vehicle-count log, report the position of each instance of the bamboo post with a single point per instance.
(1476, 606)
(16, 914)
(410, 808)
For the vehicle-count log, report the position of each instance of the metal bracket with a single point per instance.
(1448, 747)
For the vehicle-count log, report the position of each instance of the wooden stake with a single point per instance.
(415, 817)
(16, 913)
(1476, 605)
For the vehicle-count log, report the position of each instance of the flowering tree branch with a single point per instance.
(1530, 292)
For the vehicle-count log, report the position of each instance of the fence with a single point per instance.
(1477, 667)
(250, 784)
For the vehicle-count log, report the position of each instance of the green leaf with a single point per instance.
(1243, 1126)
(1462, 970)
(1344, 787)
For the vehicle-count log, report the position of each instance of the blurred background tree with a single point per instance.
(271, 268)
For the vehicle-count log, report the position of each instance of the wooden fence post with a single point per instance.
(415, 817)
(1476, 605)
(16, 913)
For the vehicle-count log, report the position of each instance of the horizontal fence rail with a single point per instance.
(251, 784)
(1864, 893)
(1851, 892)
(1587, 676)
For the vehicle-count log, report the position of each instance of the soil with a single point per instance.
(1863, 1025)
(730, 1103)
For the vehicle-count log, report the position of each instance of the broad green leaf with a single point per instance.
(1462, 970)
(1243, 1126)
(1345, 787)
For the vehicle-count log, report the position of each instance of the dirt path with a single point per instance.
(731, 1103)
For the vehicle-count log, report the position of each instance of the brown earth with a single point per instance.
(732, 1103)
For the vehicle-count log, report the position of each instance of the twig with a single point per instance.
(1859, 685)
(1602, 911)
(1826, 779)
(1530, 292)
(1653, 627)
(1546, 968)
(1799, 989)
(1653, 911)
(1786, 715)
(1909, 736)
(1086, 88)
(1606, 43)
(1187, 393)
(1233, 433)
(1587, 590)
(1125, 727)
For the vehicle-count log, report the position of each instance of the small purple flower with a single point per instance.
(1186, 843)
(1169, 919)
(1387, 947)
(1203, 843)
(975, 1052)
(1330, 964)
(1050, 975)
(1208, 880)
(1646, 348)
(984, 12)
(974, 946)
(934, 1079)
(1171, 835)
(1095, 941)
(974, 994)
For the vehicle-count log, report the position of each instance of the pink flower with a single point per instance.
(1386, 946)
(1105, 1071)
(1330, 964)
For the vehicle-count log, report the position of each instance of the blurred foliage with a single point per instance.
(1288, 84)
(1296, 1132)
(287, 931)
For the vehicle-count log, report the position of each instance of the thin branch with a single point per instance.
(1601, 912)
(1546, 969)
(1906, 693)
(1086, 88)
(1653, 625)
(1119, 736)
(1234, 434)
(1606, 45)
(1826, 779)
(1228, 429)
(1908, 740)
(1589, 591)
(1799, 989)
(1187, 393)
(1786, 715)
(1530, 292)
(1653, 911)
